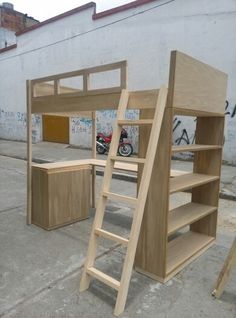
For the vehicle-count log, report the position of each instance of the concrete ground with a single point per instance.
(40, 271)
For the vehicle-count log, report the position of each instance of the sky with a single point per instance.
(45, 9)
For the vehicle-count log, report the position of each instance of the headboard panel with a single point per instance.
(195, 86)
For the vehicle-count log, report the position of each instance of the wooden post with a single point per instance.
(94, 134)
(29, 152)
(225, 272)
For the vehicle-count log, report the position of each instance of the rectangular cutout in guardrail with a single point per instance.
(44, 89)
(104, 80)
(70, 85)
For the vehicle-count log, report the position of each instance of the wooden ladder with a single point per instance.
(138, 203)
(230, 262)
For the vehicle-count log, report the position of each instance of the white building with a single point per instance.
(143, 33)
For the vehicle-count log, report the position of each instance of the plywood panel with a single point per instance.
(208, 131)
(196, 85)
(60, 197)
(152, 246)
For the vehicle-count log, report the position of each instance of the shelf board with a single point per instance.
(189, 181)
(185, 249)
(196, 113)
(194, 147)
(187, 214)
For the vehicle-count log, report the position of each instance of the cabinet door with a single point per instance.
(69, 193)
(80, 194)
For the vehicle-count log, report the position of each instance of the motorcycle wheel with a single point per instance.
(125, 150)
(100, 150)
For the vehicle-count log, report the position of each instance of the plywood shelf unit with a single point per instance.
(187, 214)
(184, 248)
(171, 239)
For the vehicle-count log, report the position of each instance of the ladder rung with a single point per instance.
(108, 280)
(140, 122)
(111, 236)
(128, 159)
(121, 198)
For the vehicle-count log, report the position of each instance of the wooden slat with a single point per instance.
(187, 214)
(140, 122)
(76, 164)
(208, 131)
(108, 280)
(29, 152)
(183, 248)
(65, 103)
(85, 71)
(142, 196)
(196, 85)
(229, 263)
(128, 159)
(98, 220)
(121, 198)
(189, 181)
(195, 113)
(192, 148)
(111, 236)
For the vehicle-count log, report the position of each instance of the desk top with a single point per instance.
(94, 162)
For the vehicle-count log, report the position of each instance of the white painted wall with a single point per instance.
(204, 29)
(7, 37)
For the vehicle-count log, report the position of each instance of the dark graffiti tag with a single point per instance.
(230, 111)
(184, 138)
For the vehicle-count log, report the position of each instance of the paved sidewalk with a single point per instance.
(51, 152)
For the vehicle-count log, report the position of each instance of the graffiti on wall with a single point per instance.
(81, 128)
(230, 110)
(14, 124)
(184, 129)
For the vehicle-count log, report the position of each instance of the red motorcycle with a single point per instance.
(125, 148)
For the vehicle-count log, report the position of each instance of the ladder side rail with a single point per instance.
(98, 219)
(143, 190)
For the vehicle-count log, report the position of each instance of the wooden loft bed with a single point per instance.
(195, 89)
(48, 95)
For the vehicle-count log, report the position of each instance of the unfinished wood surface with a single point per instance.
(92, 102)
(128, 159)
(189, 181)
(135, 122)
(108, 280)
(86, 71)
(187, 214)
(196, 85)
(98, 219)
(208, 131)
(194, 148)
(120, 198)
(111, 236)
(73, 164)
(29, 152)
(183, 248)
(224, 275)
(94, 154)
(139, 208)
(61, 197)
(142, 196)
(152, 245)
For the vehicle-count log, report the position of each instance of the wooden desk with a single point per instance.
(60, 196)
(61, 190)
